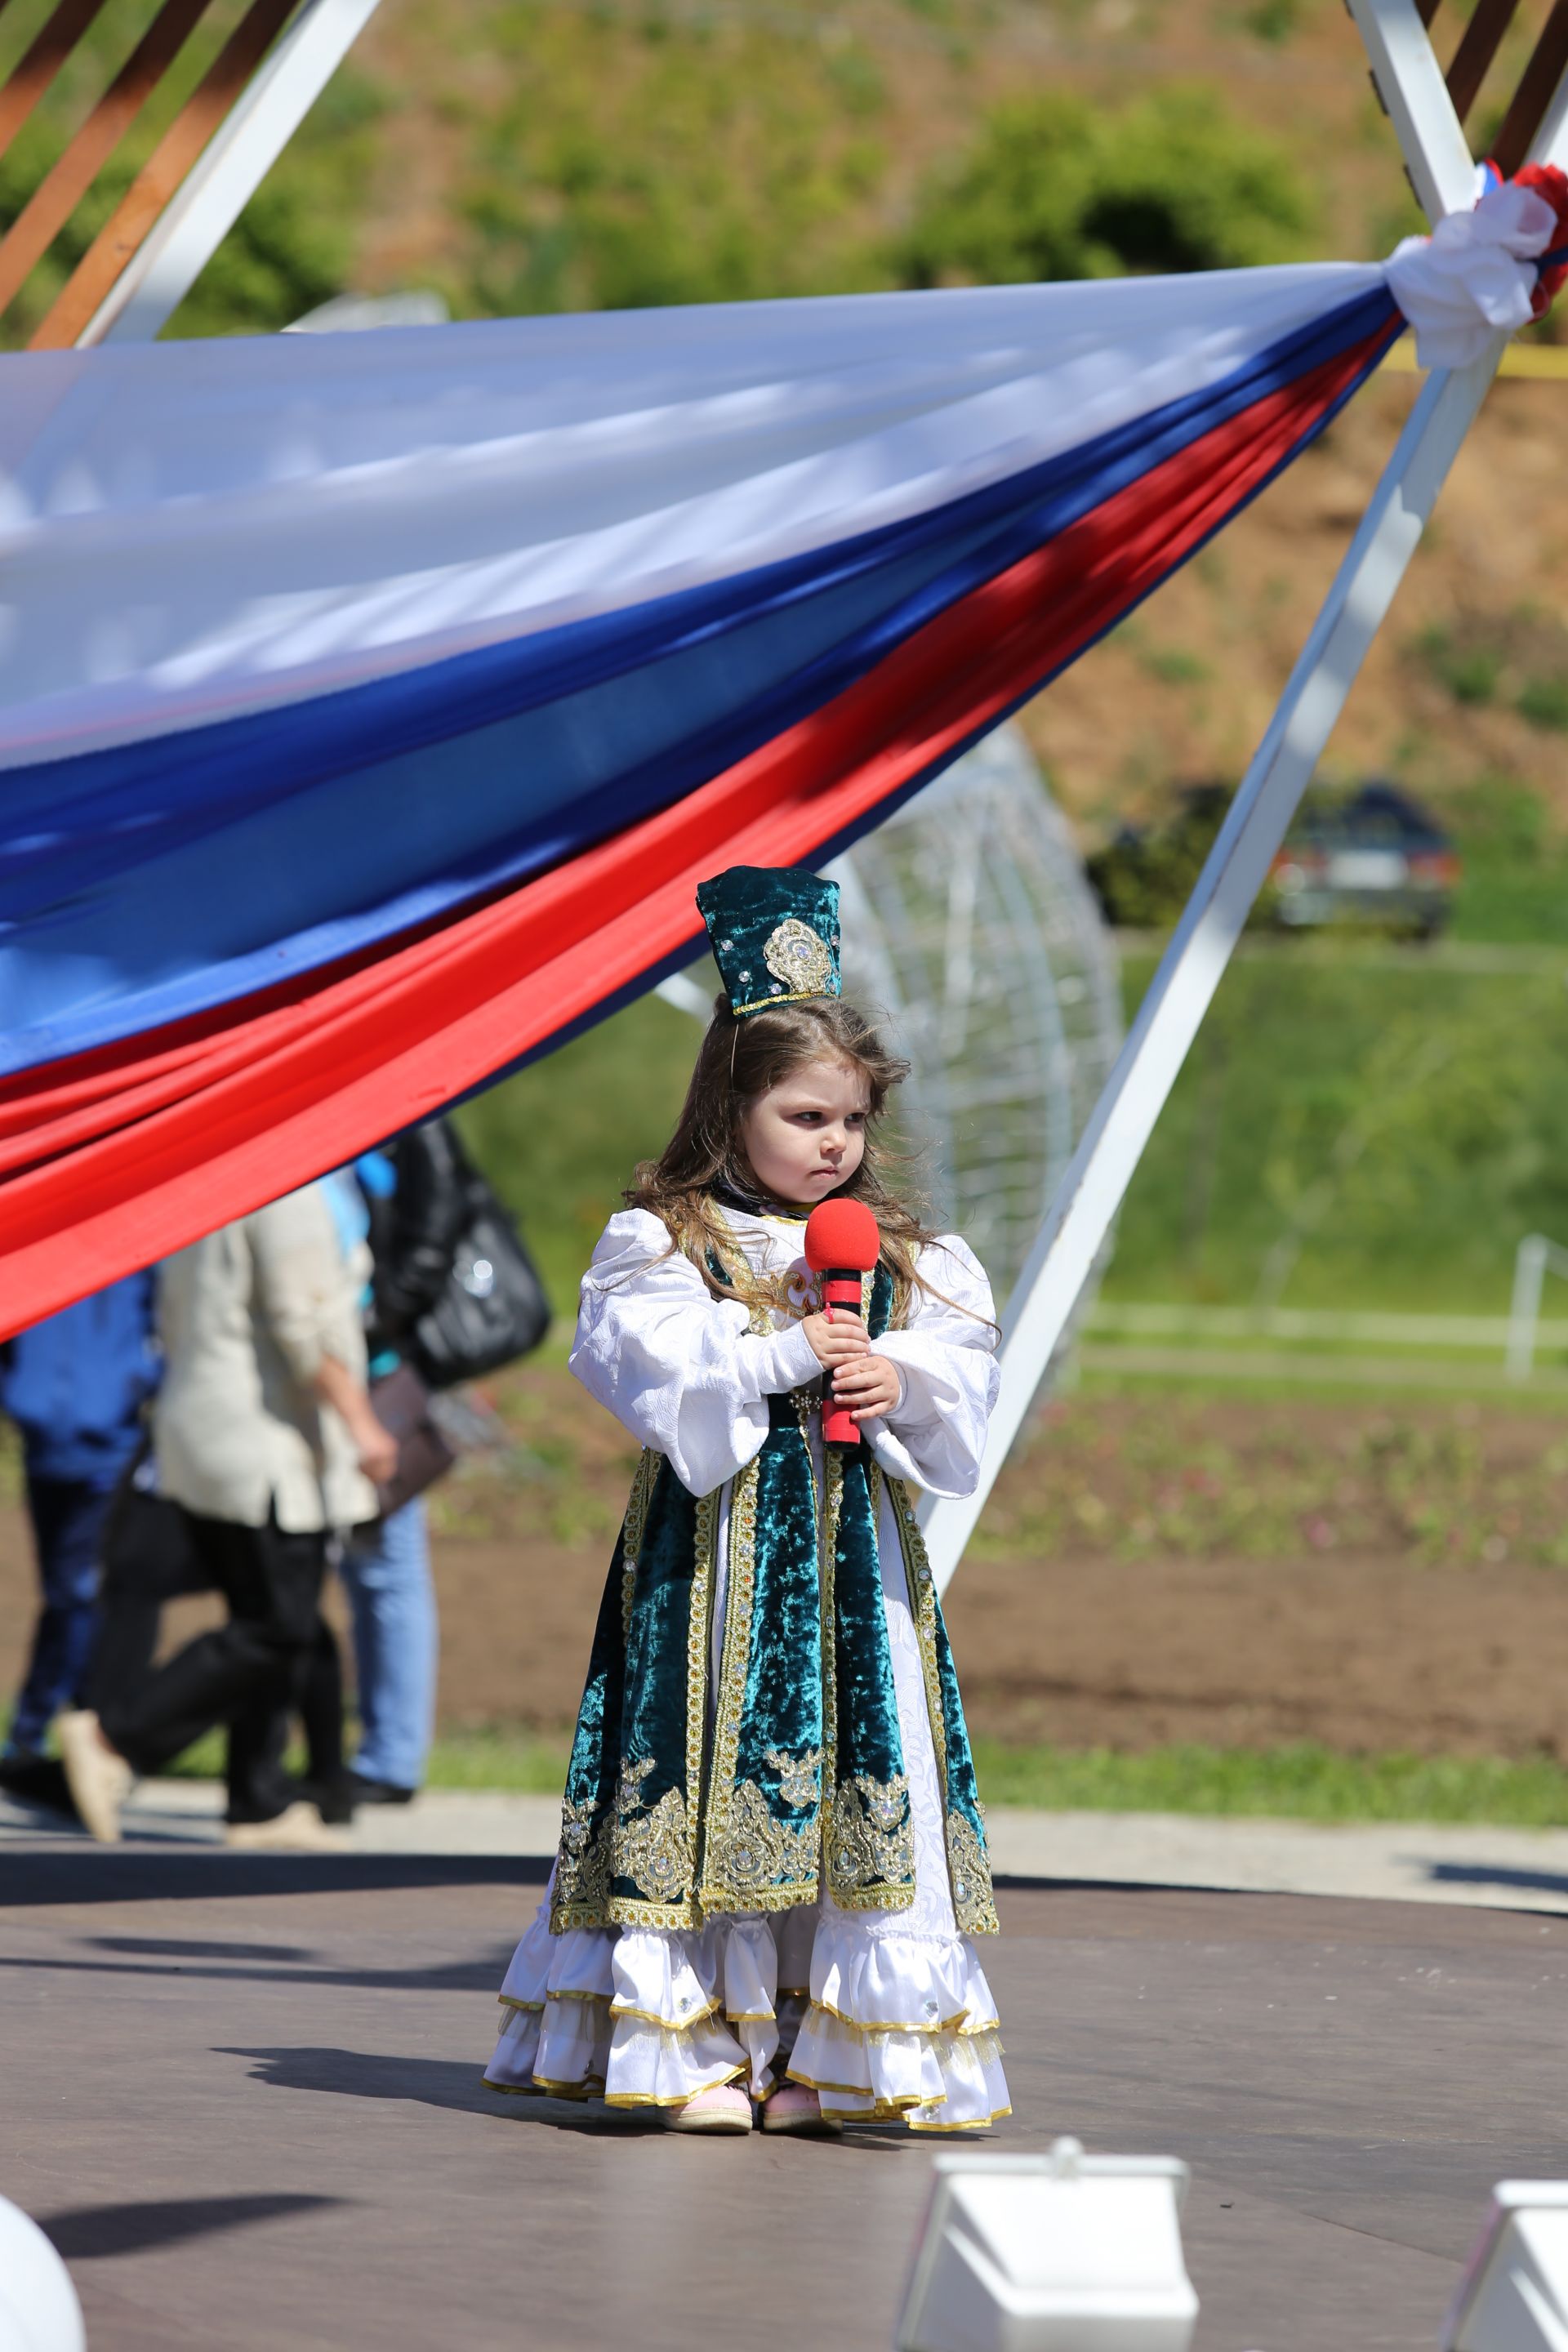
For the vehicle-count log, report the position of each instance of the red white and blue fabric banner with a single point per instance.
(371, 705)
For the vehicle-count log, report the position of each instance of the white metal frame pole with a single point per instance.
(1409, 81)
(235, 161)
(1096, 1182)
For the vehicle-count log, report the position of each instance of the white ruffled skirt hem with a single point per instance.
(881, 2025)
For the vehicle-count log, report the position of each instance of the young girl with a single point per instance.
(772, 1853)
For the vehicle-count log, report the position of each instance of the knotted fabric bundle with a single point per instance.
(1479, 273)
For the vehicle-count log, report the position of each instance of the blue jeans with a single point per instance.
(386, 1569)
(68, 1516)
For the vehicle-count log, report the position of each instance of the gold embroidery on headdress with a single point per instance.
(798, 956)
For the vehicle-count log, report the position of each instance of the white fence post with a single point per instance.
(1533, 1260)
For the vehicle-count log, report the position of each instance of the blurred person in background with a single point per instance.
(265, 1441)
(416, 1190)
(74, 1386)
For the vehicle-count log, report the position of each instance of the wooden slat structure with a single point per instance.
(161, 174)
(1527, 110)
(1475, 56)
(129, 91)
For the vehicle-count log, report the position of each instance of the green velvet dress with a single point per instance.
(773, 1854)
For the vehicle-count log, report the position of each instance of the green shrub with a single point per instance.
(1143, 879)
(667, 164)
(1545, 702)
(1470, 670)
(1055, 187)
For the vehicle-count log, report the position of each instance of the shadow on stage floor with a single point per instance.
(101, 1874)
(1466, 1874)
(90, 2232)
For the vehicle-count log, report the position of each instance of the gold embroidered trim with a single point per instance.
(980, 2045)
(726, 1845)
(582, 1868)
(507, 2001)
(754, 1863)
(875, 2110)
(983, 2123)
(670, 2024)
(651, 1851)
(751, 1862)
(922, 1589)
(960, 2026)
(969, 1868)
(655, 1852)
(630, 1911)
(800, 957)
(647, 2098)
(698, 1638)
(870, 1842)
(968, 1865)
(797, 1775)
(765, 1003)
(633, 1529)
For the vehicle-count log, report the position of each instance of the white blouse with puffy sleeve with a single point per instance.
(683, 1372)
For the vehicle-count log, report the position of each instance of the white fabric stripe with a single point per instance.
(197, 530)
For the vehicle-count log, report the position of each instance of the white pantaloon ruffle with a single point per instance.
(880, 2025)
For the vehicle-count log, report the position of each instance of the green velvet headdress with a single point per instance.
(774, 930)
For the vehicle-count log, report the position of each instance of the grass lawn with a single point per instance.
(1303, 1781)
(1350, 1131)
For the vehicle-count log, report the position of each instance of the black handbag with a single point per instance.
(493, 1308)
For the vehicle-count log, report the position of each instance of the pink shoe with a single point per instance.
(793, 2108)
(722, 2109)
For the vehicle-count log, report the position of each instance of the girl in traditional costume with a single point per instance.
(772, 1853)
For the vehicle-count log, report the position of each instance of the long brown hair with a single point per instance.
(739, 1061)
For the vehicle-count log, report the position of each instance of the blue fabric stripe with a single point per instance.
(833, 845)
(432, 789)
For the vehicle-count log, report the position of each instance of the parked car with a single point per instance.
(1370, 856)
(1374, 855)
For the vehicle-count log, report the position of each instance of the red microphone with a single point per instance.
(842, 1243)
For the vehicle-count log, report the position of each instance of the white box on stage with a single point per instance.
(1513, 2297)
(1064, 2253)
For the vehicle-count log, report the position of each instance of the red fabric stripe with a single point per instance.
(119, 1157)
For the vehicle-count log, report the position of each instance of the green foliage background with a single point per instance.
(1354, 1128)
(603, 156)
(1054, 187)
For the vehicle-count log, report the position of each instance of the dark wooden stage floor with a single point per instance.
(243, 2094)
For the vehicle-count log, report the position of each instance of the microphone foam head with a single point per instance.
(842, 1233)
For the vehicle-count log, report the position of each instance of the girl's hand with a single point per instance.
(836, 1342)
(869, 1387)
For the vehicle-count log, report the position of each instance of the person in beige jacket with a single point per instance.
(264, 1439)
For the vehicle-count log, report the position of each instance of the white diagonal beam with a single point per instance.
(1410, 83)
(232, 166)
(1193, 964)
(1096, 1182)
